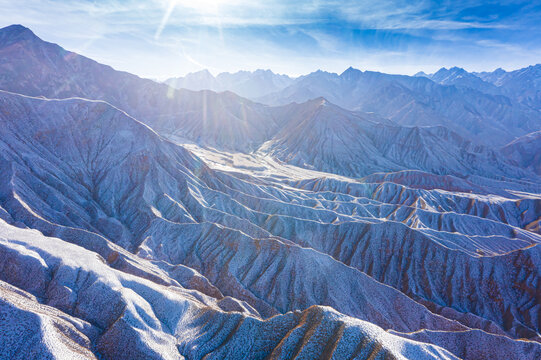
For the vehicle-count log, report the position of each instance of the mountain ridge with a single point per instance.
(417, 100)
(251, 84)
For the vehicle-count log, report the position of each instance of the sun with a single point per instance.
(204, 8)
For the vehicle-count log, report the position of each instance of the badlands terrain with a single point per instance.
(332, 216)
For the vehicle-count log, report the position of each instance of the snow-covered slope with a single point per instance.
(77, 307)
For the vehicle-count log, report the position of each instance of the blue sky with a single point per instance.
(163, 38)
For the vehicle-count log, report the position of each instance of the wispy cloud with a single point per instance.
(160, 37)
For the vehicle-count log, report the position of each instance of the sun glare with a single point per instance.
(208, 9)
(204, 6)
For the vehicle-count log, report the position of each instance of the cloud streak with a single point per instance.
(160, 38)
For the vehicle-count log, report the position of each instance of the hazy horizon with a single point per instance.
(216, 73)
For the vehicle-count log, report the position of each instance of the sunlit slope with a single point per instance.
(325, 137)
(78, 307)
(34, 67)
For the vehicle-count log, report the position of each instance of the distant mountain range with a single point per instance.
(352, 216)
(499, 106)
(418, 101)
(250, 84)
(227, 121)
(523, 85)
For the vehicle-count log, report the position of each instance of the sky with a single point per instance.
(166, 38)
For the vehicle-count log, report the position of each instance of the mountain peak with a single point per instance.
(16, 32)
(445, 70)
(15, 28)
(317, 102)
(321, 101)
(201, 74)
(351, 72)
(446, 76)
(457, 69)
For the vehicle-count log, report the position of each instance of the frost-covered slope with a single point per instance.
(525, 151)
(77, 307)
(322, 136)
(257, 242)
